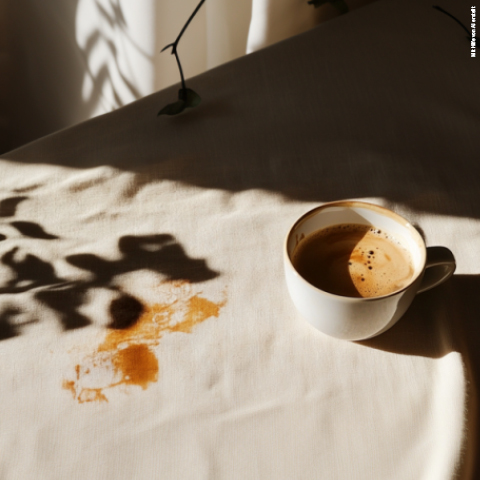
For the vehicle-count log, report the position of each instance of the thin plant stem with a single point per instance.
(174, 45)
(184, 86)
(188, 22)
(187, 98)
(454, 18)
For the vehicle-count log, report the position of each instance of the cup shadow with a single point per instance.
(440, 321)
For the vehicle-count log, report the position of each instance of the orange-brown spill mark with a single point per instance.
(126, 356)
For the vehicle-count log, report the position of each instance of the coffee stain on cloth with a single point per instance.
(126, 357)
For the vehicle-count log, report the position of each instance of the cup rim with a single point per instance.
(371, 206)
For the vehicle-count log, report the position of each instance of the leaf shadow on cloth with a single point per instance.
(8, 206)
(441, 321)
(159, 253)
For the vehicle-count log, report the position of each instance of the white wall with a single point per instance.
(74, 59)
(65, 61)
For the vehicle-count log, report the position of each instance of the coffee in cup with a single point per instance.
(354, 260)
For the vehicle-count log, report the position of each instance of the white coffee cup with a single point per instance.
(354, 318)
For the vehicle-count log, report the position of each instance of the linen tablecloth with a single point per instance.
(146, 329)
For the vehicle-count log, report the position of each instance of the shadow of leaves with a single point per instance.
(8, 206)
(32, 230)
(159, 253)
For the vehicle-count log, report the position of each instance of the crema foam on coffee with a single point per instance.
(353, 260)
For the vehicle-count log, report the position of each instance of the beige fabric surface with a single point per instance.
(146, 327)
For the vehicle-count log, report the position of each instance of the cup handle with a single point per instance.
(439, 267)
